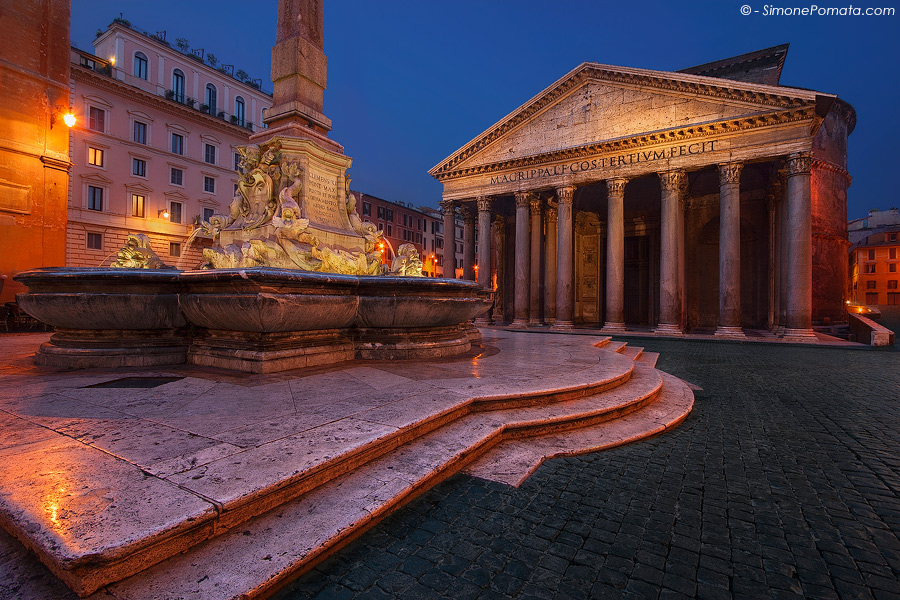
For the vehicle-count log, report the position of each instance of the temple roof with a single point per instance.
(761, 66)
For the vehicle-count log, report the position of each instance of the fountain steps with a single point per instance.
(284, 528)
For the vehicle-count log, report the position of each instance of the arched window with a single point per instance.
(178, 85)
(140, 65)
(211, 98)
(239, 110)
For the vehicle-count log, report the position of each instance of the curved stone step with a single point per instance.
(512, 462)
(276, 546)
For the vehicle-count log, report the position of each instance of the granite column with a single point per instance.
(730, 250)
(468, 243)
(565, 260)
(799, 249)
(671, 291)
(523, 262)
(534, 297)
(550, 248)
(449, 239)
(615, 256)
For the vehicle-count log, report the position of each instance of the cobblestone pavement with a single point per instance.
(783, 483)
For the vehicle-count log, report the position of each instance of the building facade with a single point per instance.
(712, 198)
(154, 150)
(875, 268)
(34, 140)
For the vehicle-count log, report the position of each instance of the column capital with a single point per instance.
(799, 163)
(565, 194)
(552, 215)
(730, 173)
(616, 186)
(534, 202)
(484, 203)
(447, 205)
(467, 214)
(673, 181)
(523, 199)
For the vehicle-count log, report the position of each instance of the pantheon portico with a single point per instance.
(710, 199)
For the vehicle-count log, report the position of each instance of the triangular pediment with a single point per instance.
(597, 103)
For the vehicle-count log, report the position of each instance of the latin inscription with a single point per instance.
(609, 162)
(322, 199)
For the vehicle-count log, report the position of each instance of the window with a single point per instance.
(178, 86)
(175, 212)
(177, 143)
(869, 268)
(95, 157)
(175, 249)
(389, 232)
(871, 297)
(870, 285)
(892, 237)
(97, 119)
(892, 268)
(140, 132)
(211, 98)
(137, 205)
(237, 161)
(439, 242)
(389, 214)
(892, 284)
(140, 65)
(176, 176)
(95, 241)
(872, 254)
(380, 212)
(893, 298)
(95, 198)
(892, 253)
(139, 167)
(367, 209)
(239, 110)
(208, 214)
(210, 154)
(209, 185)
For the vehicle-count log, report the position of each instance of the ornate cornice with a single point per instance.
(673, 181)
(694, 85)
(799, 163)
(616, 186)
(824, 165)
(677, 135)
(565, 194)
(730, 173)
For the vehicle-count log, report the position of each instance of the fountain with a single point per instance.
(294, 279)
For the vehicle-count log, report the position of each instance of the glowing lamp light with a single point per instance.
(164, 213)
(69, 119)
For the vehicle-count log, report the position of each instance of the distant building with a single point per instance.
(403, 223)
(877, 220)
(155, 145)
(874, 274)
(34, 140)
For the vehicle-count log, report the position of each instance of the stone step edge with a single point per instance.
(459, 460)
(676, 396)
(136, 556)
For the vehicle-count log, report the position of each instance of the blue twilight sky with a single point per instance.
(410, 81)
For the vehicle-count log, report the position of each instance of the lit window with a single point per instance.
(209, 185)
(869, 268)
(208, 214)
(95, 157)
(137, 205)
(209, 154)
(175, 212)
(176, 176)
(95, 241)
(175, 249)
(95, 198)
(140, 132)
(97, 119)
(178, 86)
(177, 143)
(139, 167)
(140, 65)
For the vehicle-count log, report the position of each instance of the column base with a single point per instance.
(799, 335)
(613, 328)
(671, 329)
(535, 323)
(563, 326)
(482, 321)
(519, 324)
(725, 331)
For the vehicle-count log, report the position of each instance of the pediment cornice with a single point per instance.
(697, 86)
(671, 136)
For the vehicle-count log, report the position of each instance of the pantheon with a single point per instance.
(711, 199)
